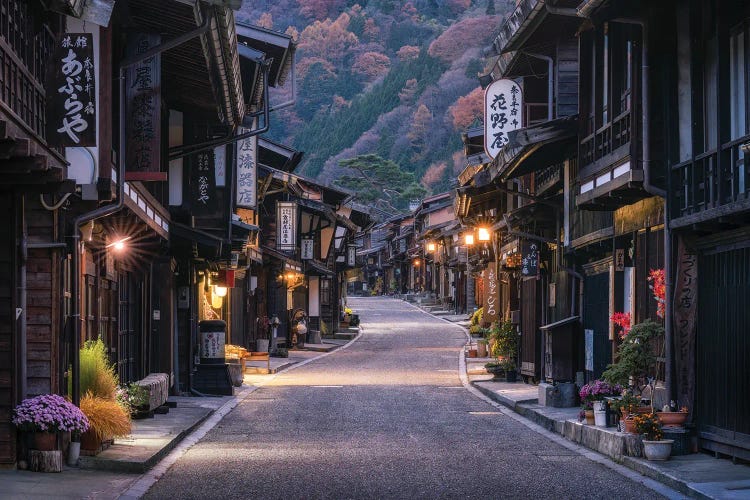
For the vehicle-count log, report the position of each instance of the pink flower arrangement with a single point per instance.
(658, 286)
(598, 390)
(49, 413)
(623, 321)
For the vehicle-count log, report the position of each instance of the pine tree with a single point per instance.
(490, 7)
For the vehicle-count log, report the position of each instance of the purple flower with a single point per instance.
(51, 413)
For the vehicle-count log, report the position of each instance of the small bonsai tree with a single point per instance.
(636, 360)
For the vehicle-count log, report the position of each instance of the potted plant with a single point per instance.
(586, 413)
(673, 418)
(263, 325)
(135, 399)
(649, 427)
(636, 360)
(594, 392)
(627, 406)
(503, 340)
(108, 419)
(46, 416)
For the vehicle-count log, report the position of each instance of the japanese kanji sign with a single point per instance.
(529, 258)
(247, 153)
(685, 306)
(351, 255)
(71, 101)
(502, 113)
(143, 86)
(286, 225)
(308, 247)
(491, 295)
(203, 183)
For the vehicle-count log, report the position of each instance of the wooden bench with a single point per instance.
(243, 355)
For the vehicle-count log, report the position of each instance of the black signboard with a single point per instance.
(529, 258)
(71, 99)
(203, 183)
(143, 86)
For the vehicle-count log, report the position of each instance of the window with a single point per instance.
(325, 291)
(738, 68)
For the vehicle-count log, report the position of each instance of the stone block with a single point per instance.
(560, 395)
(157, 385)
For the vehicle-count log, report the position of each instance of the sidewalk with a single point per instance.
(697, 475)
(116, 469)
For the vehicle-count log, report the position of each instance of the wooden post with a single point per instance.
(45, 461)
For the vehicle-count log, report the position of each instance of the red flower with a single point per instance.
(658, 286)
(623, 321)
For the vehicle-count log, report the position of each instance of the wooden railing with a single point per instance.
(712, 179)
(535, 112)
(25, 46)
(607, 139)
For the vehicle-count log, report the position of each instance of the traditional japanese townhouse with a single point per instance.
(618, 184)
(539, 51)
(434, 214)
(401, 246)
(304, 236)
(32, 245)
(701, 52)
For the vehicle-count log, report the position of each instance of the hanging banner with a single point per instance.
(530, 258)
(143, 94)
(203, 183)
(71, 99)
(247, 177)
(685, 305)
(502, 113)
(220, 165)
(351, 255)
(491, 311)
(286, 226)
(307, 249)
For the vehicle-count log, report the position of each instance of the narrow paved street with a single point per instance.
(386, 417)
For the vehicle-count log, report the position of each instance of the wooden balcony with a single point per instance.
(715, 184)
(607, 140)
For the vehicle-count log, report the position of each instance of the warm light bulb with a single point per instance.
(216, 301)
(469, 239)
(430, 247)
(290, 276)
(220, 291)
(483, 234)
(119, 245)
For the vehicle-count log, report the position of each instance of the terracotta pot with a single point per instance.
(589, 417)
(643, 409)
(472, 353)
(90, 442)
(674, 418)
(629, 426)
(45, 441)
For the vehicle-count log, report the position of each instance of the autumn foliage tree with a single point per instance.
(319, 9)
(409, 91)
(471, 32)
(467, 109)
(328, 39)
(371, 65)
(434, 174)
(407, 53)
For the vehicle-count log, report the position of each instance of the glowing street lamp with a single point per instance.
(220, 291)
(469, 239)
(483, 234)
(430, 247)
(119, 244)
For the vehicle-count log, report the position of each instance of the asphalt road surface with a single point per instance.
(386, 417)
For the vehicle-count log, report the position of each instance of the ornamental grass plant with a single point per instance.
(108, 418)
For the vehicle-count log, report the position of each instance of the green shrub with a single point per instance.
(635, 356)
(97, 374)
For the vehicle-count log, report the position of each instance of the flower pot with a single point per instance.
(74, 451)
(472, 353)
(657, 450)
(673, 418)
(497, 371)
(600, 418)
(511, 375)
(628, 426)
(589, 417)
(599, 406)
(261, 345)
(45, 441)
(482, 349)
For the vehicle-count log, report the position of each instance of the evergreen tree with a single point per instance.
(490, 7)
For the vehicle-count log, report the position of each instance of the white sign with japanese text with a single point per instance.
(502, 113)
(247, 153)
(286, 225)
(307, 249)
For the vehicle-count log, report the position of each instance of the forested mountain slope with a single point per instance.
(397, 80)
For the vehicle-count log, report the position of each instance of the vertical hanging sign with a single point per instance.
(351, 255)
(307, 249)
(530, 258)
(684, 318)
(247, 151)
(203, 183)
(143, 89)
(491, 303)
(71, 99)
(286, 226)
(502, 113)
